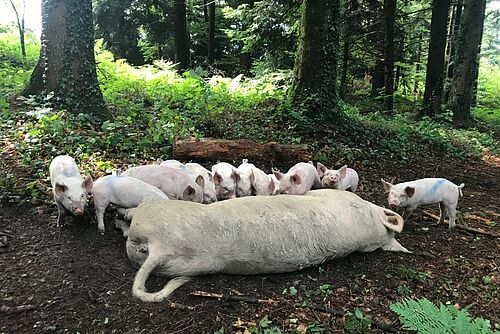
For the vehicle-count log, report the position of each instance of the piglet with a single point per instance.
(123, 192)
(174, 182)
(299, 179)
(209, 192)
(412, 194)
(226, 178)
(276, 183)
(69, 188)
(261, 184)
(343, 178)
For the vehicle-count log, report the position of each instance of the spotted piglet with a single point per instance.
(410, 195)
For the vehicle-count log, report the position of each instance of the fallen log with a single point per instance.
(467, 228)
(211, 150)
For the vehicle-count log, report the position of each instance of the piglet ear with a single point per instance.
(236, 176)
(295, 178)
(60, 188)
(387, 185)
(321, 169)
(217, 179)
(271, 185)
(279, 175)
(343, 171)
(200, 181)
(252, 178)
(88, 184)
(210, 177)
(188, 193)
(410, 191)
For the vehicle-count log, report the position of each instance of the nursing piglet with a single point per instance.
(69, 188)
(174, 182)
(410, 195)
(209, 192)
(123, 192)
(299, 179)
(261, 184)
(226, 178)
(342, 179)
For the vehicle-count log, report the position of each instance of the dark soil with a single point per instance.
(73, 279)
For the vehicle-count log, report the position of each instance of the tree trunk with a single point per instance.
(467, 49)
(211, 32)
(181, 36)
(20, 27)
(67, 65)
(435, 62)
(378, 78)
(345, 64)
(390, 17)
(246, 56)
(416, 89)
(457, 16)
(315, 90)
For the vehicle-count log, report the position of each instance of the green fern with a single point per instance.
(423, 316)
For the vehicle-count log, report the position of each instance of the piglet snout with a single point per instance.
(78, 211)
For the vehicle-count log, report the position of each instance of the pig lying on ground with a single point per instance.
(299, 179)
(342, 179)
(123, 192)
(174, 182)
(69, 188)
(252, 235)
(260, 183)
(410, 195)
(194, 169)
(226, 178)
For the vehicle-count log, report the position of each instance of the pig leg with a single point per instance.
(99, 212)
(442, 212)
(61, 214)
(122, 225)
(452, 214)
(139, 288)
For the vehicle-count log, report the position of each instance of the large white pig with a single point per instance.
(343, 178)
(252, 235)
(299, 179)
(174, 182)
(412, 194)
(69, 188)
(261, 184)
(123, 192)
(226, 178)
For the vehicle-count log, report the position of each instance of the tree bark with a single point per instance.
(467, 50)
(211, 32)
(20, 26)
(66, 65)
(435, 62)
(455, 29)
(390, 17)
(181, 36)
(416, 89)
(315, 90)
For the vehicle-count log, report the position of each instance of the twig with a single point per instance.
(7, 234)
(231, 298)
(467, 228)
(16, 309)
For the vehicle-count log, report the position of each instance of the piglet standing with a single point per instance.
(261, 184)
(412, 194)
(226, 178)
(299, 179)
(69, 188)
(122, 191)
(343, 178)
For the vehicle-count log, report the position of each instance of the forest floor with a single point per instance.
(73, 279)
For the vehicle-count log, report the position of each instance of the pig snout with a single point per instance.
(78, 211)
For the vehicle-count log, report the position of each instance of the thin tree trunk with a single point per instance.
(457, 16)
(181, 36)
(246, 56)
(390, 17)
(467, 49)
(20, 27)
(434, 79)
(211, 32)
(345, 64)
(66, 65)
(416, 90)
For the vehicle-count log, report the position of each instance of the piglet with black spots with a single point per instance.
(410, 195)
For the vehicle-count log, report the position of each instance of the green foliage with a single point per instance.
(489, 87)
(357, 321)
(423, 316)
(409, 274)
(263, 326)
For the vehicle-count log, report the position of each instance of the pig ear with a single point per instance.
(321, 169)
(410, 191)
(210, 177)
(88, 184)
(236, 177)
(244, 161)
(343, 171)
(295, 178)
(217, 179)
(279, 175)
(188, 193)
(252, 178)
(200, 181)
(310, 162)
(271, 185)
(387, 185)
(60, 189)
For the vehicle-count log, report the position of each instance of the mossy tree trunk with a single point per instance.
(467, 50)
(181, 36)
(67, 65)
(314, 91)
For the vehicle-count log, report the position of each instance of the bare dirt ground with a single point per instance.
(72, 279)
